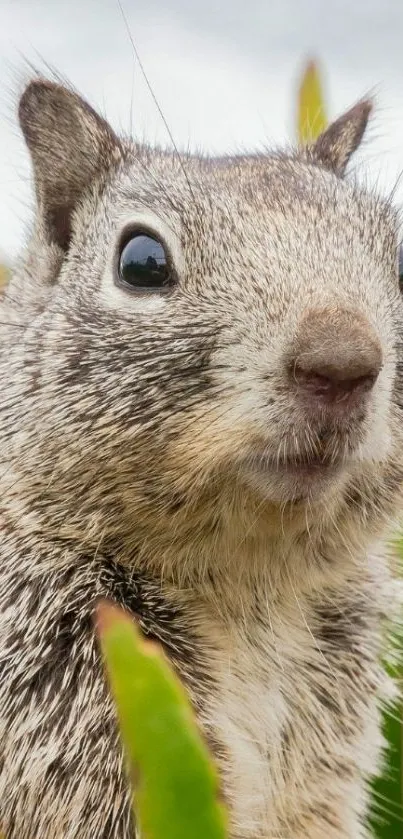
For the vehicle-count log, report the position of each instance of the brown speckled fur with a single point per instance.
(125, 424)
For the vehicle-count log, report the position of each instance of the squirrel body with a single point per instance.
(219, 453)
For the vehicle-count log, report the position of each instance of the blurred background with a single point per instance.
(226, 77)
(224, 74)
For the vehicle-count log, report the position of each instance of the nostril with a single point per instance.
(331, 386)
(336, 356)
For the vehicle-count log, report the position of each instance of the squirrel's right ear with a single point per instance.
(335, 146)
(70, 145)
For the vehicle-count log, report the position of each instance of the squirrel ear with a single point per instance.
(70, 145)
(334, 148)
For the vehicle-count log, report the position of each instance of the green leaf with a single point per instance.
(387, 805)
(175, 784)
(387, 800)
(311, 117)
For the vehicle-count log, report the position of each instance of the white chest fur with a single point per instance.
(281, 711)
(248, 716)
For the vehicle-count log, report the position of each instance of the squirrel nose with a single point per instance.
(337, 357)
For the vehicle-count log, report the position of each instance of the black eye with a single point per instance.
(401, 268)
(143, 264)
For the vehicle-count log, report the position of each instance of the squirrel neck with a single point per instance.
(225, 553)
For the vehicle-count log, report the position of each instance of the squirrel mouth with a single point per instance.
(294, 463)
(293, 476)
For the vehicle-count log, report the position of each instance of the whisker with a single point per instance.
(155, 100)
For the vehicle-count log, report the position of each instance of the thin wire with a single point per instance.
(155, 100)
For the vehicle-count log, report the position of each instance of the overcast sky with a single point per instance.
(224, 74)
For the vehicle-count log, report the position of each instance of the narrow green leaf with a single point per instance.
(311, 116)
(387, 800)
(387, 804)
(175, 784)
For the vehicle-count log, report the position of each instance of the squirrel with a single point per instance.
(201, 421)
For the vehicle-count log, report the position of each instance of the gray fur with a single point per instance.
(133, 432)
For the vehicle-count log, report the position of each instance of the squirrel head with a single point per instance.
(204, 338)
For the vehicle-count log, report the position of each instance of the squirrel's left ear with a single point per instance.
(70, 146)
(334, 148)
